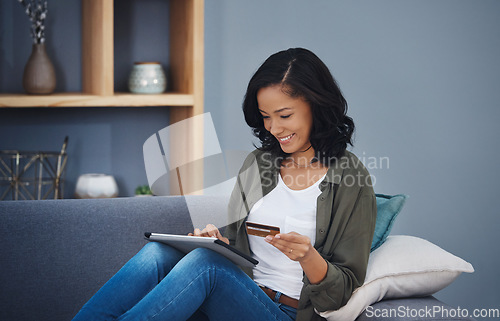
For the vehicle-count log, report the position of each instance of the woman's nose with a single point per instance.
(275, 127)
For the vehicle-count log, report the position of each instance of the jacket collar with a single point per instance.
(336, 171)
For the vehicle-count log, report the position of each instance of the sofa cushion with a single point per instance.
(403, 266)
(388, 208)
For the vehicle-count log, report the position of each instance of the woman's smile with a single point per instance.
(285, 140)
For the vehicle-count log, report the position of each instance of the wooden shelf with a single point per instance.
(86, 100)
(186, 65)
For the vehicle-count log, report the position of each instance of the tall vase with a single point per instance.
(39, 74)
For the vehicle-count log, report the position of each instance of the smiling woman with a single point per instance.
(295, 183)
(295, 107)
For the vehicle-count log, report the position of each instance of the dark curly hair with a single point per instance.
(302, 74)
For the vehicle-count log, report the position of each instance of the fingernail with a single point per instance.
(277, 236)
(269, 238)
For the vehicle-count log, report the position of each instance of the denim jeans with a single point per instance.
(161, 283)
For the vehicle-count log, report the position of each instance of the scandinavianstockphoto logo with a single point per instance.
(172, 168)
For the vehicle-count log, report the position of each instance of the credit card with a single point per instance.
(261, 229)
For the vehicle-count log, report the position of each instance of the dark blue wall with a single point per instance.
(101, 140)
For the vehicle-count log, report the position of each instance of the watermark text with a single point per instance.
(437, 311)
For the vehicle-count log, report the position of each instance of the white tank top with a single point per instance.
(291, 210)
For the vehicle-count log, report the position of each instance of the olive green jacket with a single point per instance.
(345, 221)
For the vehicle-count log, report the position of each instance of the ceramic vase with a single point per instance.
(39, 75)
(96, 186)
(147, 78)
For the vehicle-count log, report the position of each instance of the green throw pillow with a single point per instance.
(388, 207)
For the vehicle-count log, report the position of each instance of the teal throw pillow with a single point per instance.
(388, 207)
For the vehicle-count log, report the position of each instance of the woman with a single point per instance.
(301, 180)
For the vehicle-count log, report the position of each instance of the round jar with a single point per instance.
(147, 78)
(96, 186)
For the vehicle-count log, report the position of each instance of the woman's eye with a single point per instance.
(286, 116)
(265, 117)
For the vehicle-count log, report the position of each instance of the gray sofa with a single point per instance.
(56, 254)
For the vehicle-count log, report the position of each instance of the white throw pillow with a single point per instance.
(403, 266)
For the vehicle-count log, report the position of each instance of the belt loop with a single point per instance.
(277, 297)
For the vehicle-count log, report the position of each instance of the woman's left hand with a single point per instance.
(294, 245)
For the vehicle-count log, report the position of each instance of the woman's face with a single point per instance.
(286, 118)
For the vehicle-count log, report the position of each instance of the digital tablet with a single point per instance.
(186, 244)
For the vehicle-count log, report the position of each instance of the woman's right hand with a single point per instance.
(209, 231)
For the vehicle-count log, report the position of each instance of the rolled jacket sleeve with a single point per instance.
(349, 259)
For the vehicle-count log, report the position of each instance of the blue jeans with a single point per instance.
(161, 283)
